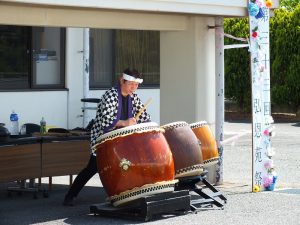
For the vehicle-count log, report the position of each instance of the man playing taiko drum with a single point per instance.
(117, 108)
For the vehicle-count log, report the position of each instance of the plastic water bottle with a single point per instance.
(14, 123)
(43, 126)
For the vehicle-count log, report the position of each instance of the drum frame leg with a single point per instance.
(199, 196)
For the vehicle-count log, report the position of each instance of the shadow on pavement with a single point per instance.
(293, 191)
(296, 125)
(24, 209)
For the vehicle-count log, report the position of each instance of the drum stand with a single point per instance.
(199, 195)
(177, 202)
(188, 196)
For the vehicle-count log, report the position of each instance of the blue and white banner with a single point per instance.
(263, 177)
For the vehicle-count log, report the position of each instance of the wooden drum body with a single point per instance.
(208, 143)
(135, 161)
(185, 149)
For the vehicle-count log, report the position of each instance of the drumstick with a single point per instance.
(143, 109)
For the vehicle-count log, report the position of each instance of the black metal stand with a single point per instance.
(91, 100)
(204, 196)
(24, 188)
(145, 208)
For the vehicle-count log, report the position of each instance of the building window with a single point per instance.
(111, 51)
(48, 57)
(101, 58)
(14, 57)
(32, 58)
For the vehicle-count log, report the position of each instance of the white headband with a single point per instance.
(131, 78)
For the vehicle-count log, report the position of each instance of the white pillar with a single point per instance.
(74, 80)
(219, 64)
(86, 72)
(187, 85)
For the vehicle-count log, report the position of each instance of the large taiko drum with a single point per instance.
(134, 162)
(208, 143)
(185, 149)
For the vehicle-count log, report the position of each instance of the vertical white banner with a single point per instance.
(263, 172)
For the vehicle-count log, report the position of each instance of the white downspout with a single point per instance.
(219, 66)
(86, 72)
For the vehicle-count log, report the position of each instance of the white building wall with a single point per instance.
(186, 88)
(187, 84)
(74, 75)
(32, 106)
(204, 7)
(154, 108)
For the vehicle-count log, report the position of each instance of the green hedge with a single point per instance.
(284, 55)
(237, 65)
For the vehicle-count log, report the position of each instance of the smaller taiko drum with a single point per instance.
(185, 149)
(208, 143)
(134, 162)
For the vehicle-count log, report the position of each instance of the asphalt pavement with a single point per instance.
(281, 206)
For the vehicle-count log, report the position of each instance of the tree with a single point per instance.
(284, 56)
(290, 5)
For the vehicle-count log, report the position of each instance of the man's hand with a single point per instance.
(131, 121)
(126, 123)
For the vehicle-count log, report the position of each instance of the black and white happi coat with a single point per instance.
(109, 112)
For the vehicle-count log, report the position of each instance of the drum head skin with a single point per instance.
(138, 128)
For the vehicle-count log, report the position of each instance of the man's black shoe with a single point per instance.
(68, 201)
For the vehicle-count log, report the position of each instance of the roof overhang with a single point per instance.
(129, 14)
